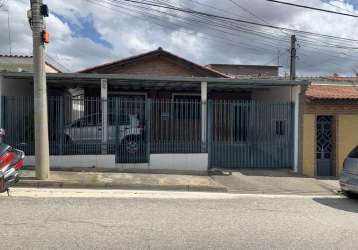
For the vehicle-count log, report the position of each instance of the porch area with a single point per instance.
(179, 123)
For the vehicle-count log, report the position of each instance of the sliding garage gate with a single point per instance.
(247, 134)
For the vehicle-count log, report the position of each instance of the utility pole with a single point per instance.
(293, 58)
(36, 18)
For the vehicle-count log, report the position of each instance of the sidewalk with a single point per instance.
(244, 181)
(275, 182)
(140, 181)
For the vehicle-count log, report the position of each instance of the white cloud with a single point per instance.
(135, 33)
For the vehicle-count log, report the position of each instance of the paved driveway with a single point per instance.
(274, 182)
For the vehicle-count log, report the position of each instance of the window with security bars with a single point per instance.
(187, 107)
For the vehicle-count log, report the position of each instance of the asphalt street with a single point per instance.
(95, 219)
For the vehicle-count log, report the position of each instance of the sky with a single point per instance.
(85, 33)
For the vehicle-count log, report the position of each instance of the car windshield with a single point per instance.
(354, 153)
(96, 120)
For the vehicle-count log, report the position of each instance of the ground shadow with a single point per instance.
(345, 204)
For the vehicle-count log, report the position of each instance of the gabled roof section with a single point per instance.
(330, 92)
(22, 60)
(158, 52)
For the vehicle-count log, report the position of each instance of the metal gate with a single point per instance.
(248, 134)
(127, 128)
(324, 145)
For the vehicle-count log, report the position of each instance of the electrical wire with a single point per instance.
(313, 8)
(190, 11)
(335, 47)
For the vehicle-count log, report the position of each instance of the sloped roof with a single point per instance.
(149, 54)
(321, 92)
(25, 57)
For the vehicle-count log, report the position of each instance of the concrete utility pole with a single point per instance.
(293, 58)
(40, 92)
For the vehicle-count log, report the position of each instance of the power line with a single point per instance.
(165, 25)
(317, 43)
(313, 8)
(190, 11)
(230, 23)
(276, 57)
(248, 11)
(229, 26)
(340, 8)
(317, 49)
(222, 27)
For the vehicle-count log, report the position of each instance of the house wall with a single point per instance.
(177, 162)
(70, 161)
(16, 87)
(344, 138)
(309, 144)
(347, 138)
(21, 63)
(189, 162)
(50, 69)
(274, 94)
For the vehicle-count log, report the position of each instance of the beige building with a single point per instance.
(329, 125)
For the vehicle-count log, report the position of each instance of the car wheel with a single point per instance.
(132, 144)
(350, 195)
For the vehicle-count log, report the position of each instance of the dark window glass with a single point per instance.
(93, 120)
(116, 119)
(280, 127)
(187, 107)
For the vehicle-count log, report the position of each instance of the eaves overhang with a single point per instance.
(91, 79)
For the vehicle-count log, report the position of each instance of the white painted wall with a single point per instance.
(273, 94)
(22, 64)
(100, 161)
(189, 162)
(296, 100)
(181, 162)
(284, 94)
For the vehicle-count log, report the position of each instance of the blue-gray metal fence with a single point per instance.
(240, 134)
(175, 126)
(132, 128)
(249, 134)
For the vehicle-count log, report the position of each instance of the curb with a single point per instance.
(67, 184)
(329, 187)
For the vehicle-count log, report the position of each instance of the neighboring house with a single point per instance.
(157, 62)
(329, 125)
(158, 110)
(238, 70)
(19, 63)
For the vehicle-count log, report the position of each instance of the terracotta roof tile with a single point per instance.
(160, 50)
(332, 92)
